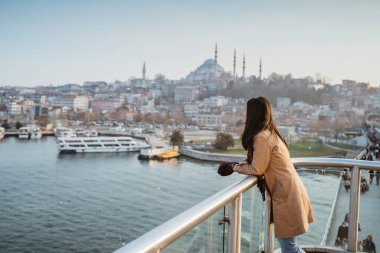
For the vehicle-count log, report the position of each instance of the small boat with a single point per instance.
(64, 132)
(23, 133)
(159, 153)
(69, 145)
(80, 132)
(93, 133)
(168, 155)
(2, 133)
(36, 133)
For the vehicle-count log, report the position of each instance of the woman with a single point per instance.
(268, 155)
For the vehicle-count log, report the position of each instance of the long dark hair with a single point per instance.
(259, 117)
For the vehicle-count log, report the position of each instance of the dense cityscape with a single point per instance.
(208, 98)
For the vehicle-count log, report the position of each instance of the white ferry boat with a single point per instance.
(98, 144)
(2, 133)
(36, 133)
(23, 133)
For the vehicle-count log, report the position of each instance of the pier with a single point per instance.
(15, 133)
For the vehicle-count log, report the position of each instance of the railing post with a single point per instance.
(269, 229)
(235, 225)
(354, 209)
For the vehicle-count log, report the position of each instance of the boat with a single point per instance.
(119, 128)
(93, 133)
(159, 152)
(23, 133)
(72, 145)
(36, 133)
(64, 132)
(80, 132)
(168, 155)
(2, 133)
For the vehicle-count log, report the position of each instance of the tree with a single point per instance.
(18, 125)
(5, 124)
(176, 138)
(159, 78)
(223, 141)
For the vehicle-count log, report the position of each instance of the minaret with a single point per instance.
(260, 69)
(234, 75)
(216, 54)
(216, 59)
(144, 71)
(243, 66)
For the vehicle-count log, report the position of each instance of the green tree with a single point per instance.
(176, 138)
(223, 141)
(18, 125)
(239, 123)
(5, 124)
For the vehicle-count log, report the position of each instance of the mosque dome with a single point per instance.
(207, 71)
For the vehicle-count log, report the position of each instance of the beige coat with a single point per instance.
(292, 211)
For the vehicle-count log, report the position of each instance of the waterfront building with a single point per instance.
(211, 119)
(215, 101)
(185, 93)
(106, 104)
(65, 100)
(191, 110)
(81, 103)
(14, 108)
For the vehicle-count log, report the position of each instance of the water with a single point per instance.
(97, 202)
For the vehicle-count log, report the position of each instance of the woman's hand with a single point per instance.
(226, 168)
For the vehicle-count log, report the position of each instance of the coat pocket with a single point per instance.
(281, 190)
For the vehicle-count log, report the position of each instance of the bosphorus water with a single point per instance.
(96, 202)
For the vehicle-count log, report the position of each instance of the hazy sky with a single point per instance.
(72, 41)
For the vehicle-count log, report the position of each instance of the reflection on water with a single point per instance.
(170, 161)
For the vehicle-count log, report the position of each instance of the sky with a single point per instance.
(73, 41)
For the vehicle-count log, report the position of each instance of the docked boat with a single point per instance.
(168, 155)
(64, 132)
(80, 132)
(36, 133)
(71, 145)
(159, 153)
(2, 133)
(93, 133)
(23, 133)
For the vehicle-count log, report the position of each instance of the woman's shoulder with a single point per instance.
(265, 134)
(268, 136)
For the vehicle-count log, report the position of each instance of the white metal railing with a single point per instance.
(162, 236)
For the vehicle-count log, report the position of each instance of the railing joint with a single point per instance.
(224, 220)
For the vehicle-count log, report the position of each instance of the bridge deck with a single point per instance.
(369, 213)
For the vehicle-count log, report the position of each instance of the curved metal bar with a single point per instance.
(163, 235)
(336, 162)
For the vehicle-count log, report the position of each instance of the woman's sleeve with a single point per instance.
(260, 158)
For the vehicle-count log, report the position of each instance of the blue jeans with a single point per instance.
(289, 245)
